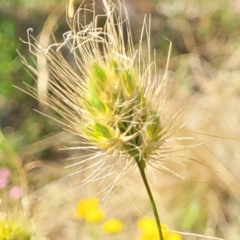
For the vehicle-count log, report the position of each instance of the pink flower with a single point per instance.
(4, 173)
(3, 182)
(15, 192)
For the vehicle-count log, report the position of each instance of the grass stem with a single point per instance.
(141, 166)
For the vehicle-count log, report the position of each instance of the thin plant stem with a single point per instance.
(141, 166)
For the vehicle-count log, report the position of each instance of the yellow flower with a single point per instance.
(153, 236)
(149, 228)
(89, 210)
(10, 229)
(173, 236)
(147, 225)
(84, 205)
(95, 215)
(149, 231)
(112, 226)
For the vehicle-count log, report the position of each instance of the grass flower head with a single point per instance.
(110, 97)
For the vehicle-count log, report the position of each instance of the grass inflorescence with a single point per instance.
(110, 96)
(118, 116)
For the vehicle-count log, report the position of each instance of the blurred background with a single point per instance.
(203, 81)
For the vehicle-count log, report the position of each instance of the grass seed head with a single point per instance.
(117, 115)
(111, 96)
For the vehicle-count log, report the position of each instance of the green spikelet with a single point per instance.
(118, 115)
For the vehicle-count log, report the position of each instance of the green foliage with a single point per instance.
(8, 54)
